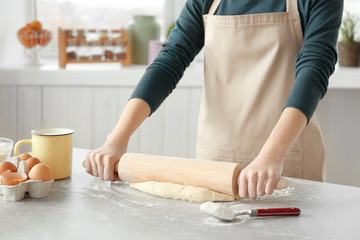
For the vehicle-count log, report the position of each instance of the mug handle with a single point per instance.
(19, 143)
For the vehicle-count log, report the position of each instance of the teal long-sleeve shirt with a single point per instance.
(315, 62)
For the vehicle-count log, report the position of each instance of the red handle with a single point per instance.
(276, 212)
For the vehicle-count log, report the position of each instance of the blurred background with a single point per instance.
(76, 14)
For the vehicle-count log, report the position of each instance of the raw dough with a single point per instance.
(190, 193)
(182, 192)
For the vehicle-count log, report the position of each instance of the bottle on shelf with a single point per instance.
(84, 51)
(119, 50)
(108, 50)
(141, 30)
(72, 49)
(97, 51)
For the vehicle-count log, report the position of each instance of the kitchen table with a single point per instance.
(84, 207)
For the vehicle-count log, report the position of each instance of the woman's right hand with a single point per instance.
(101, 162)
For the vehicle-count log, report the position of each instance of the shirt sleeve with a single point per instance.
(185, 42)
(317, 57)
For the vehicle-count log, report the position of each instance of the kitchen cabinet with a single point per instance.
(90, 101)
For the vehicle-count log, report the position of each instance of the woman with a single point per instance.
(267, 65)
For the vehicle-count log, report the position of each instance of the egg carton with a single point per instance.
(35, 188)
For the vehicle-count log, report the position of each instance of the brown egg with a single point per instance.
(40, 171)
(25, 156)
(32, 162)
(5, 165)
(10, 178)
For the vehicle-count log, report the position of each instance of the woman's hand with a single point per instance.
(260, 177)
(263, 173)
(101, 162)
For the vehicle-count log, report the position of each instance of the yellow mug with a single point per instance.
(52, 146)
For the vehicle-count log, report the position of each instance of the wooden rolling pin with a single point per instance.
(215, 175)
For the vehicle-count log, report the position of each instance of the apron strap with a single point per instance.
(214, 6)
(291, 6)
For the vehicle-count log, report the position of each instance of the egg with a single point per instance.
(40, 171)
(25, 156)
(5, 165)
(12, 178)
(31, 162)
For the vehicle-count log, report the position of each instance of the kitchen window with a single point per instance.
(352, 7)
(113, 13)
(99, 14)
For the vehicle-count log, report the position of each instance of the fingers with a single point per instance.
(252, 186)
(87, 164)
(260, 190)
(243, 185)
(270, 185)
(101, 165)
(90, 164)
(94, 166)
(109, 171)
(256, 184)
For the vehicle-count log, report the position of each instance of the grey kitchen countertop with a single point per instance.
(84, 207)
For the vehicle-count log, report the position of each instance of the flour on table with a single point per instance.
(182, 192)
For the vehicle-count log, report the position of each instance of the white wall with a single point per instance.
(339, 117)
(172, 10)
(178, 5)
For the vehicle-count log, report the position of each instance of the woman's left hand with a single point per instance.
(260, 176)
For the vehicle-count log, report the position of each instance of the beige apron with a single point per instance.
(249, 73)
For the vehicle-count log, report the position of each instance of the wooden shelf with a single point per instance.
(95, 61)
(65, 37)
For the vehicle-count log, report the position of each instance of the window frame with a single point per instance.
(171, 11)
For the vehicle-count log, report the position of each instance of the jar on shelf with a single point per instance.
(72, 49)
(119, 50)
(84, 51)
(108, 50)
(115, 34)
(97, 51)
(80, 35)
(92, 35)
(154, 48)
(141, 31)
(69, 33)
(104, 36)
